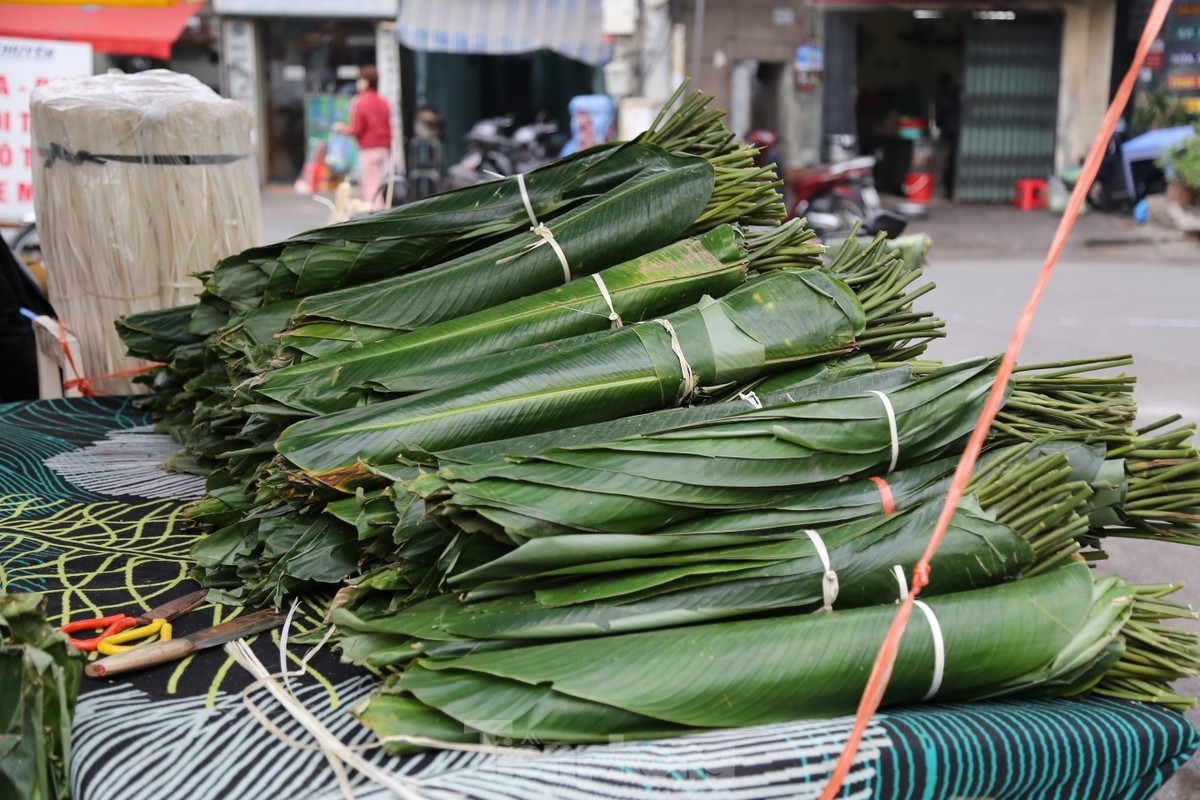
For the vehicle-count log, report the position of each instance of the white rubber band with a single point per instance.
(898, 571)
(751, 398)
(939, 644)
(613, 316)
(689, 378)
(829, 583)
(939, 650)
(891, 418)
(533, 220)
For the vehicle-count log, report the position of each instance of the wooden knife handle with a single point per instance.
(140, 657)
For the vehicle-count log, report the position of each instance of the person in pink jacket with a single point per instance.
(371, 126)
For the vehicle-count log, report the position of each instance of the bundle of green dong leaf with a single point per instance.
(612, 449)
(40, 673)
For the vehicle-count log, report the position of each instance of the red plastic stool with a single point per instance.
(1029, 193)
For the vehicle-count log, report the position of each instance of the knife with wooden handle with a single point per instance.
(167, 650)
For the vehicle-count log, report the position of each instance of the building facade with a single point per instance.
(998, 91)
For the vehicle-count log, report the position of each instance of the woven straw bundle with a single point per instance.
(141, 181)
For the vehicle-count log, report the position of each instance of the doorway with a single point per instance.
(910, 67)
(311, 67)
(977, 89)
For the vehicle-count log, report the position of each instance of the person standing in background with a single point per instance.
(947, 105)
(371, 126)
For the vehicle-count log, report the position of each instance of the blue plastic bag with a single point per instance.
(337, 153)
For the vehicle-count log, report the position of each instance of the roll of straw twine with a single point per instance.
(141, 181)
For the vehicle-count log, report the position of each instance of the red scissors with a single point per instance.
(153, 621)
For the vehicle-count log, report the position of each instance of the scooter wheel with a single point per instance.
(848, 210)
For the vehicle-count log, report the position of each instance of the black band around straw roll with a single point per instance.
(57, 152)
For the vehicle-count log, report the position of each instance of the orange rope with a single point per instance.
(881, 672)
(84, 385)
(885, 494)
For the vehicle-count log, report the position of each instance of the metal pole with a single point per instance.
(697, 39)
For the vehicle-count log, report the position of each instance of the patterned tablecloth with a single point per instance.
(88, 518)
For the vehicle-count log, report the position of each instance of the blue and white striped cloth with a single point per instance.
(502, 27)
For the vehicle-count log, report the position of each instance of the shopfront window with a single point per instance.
(311, 69)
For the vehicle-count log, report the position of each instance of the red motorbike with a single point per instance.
(832, 197)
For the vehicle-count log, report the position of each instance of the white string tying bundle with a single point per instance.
(613, 316)
(829, 583)
(533, 220)
(542, 231)
(751, 398)
(689, 377)
(338, 754)
(939, 645)
(892, 430)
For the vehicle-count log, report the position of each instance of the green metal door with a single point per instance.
(1009, 105)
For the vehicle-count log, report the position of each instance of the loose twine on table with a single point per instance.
(881, 672)
(339, 755)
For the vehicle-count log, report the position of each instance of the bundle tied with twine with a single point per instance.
(141, 181)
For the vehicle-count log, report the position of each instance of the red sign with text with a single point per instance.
(26, 64)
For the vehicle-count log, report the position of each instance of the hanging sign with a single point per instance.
(119, 3)
(1184, 33)
(26, 64)
(1189, 81)
(370, 9)
(1154, 58)
(809, 64)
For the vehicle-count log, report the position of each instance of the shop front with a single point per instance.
(977, 98)
(473, 60)
(969, 98)
(134, 28)
(295, 65)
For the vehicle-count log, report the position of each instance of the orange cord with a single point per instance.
(881, 672)
(885, 494)
(84, 385)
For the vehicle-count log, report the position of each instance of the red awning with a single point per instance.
(120, 30)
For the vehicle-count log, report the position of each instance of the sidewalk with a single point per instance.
(1000, 232)
(958, 230)
(286, 213)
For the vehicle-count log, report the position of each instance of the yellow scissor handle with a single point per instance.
(116, 643)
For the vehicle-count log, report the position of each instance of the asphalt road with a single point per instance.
(1118, 291)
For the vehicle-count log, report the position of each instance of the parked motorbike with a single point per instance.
(1129, 169)
(1110, 191)
(495, 147)
(832, 197)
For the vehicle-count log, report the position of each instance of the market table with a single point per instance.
(89, 518)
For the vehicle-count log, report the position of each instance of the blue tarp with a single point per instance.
(1149, 146)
